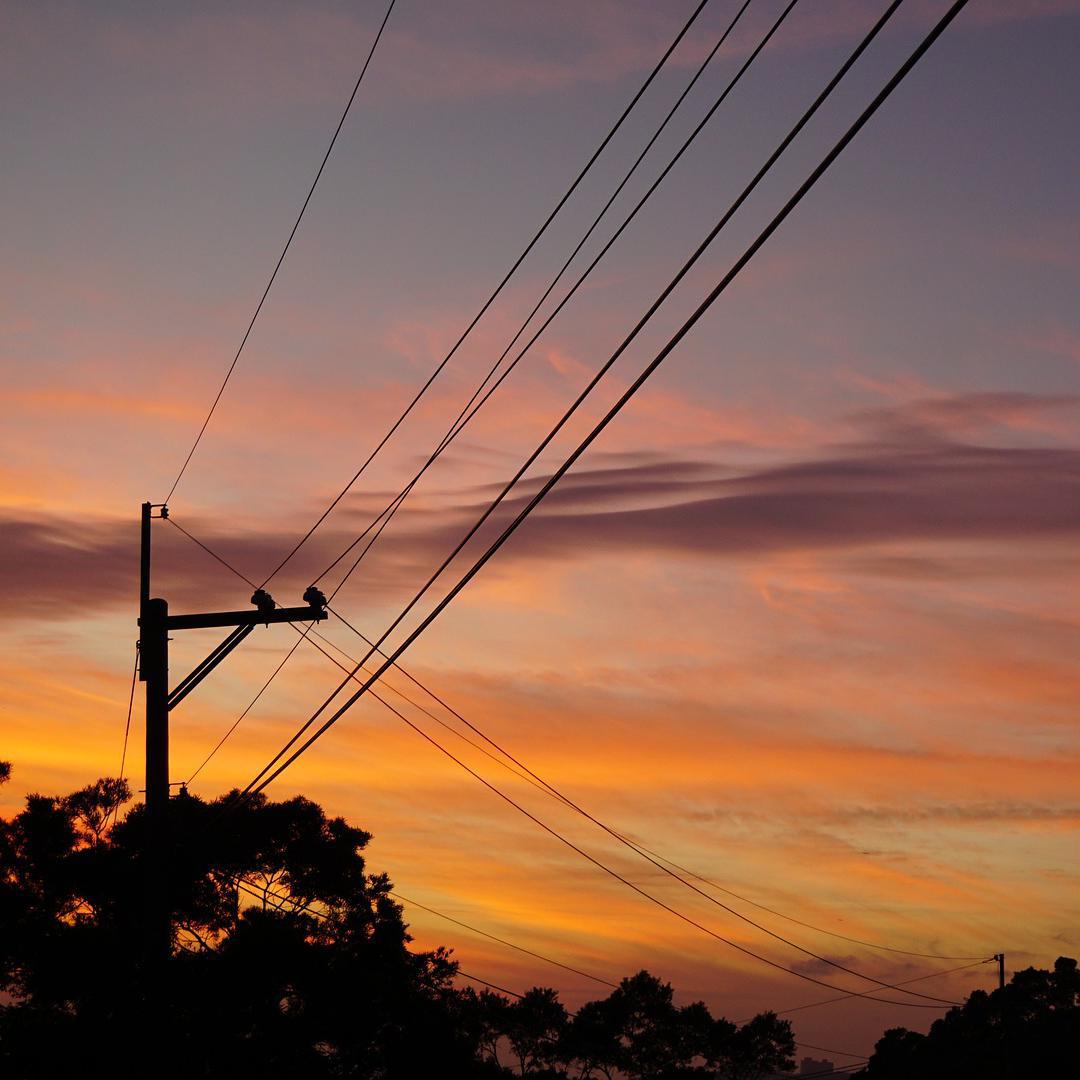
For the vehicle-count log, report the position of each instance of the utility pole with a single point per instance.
(1000, 958)
(155, 623)
(154, 671)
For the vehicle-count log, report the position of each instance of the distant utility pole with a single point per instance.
(1000, 958)
(155, 623)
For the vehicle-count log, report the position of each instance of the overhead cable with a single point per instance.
(462, 420)
(537, 781)
(498, 289)
(127, 727)
(870, 995)
(266, 777)
(636, 888)
(311, 910)
(281, 257)
(473, 406)
(611, 872)
(880, 984)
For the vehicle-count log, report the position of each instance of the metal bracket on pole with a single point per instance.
(204, 667)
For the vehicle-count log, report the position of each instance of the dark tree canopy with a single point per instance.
(290, 959)
(254, 984)
(1029, 1028)
(637, 1031)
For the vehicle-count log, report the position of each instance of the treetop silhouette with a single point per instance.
(314, 977)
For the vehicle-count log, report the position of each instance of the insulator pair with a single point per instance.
(315, 597)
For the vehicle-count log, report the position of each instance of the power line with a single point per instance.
(620, 403)
(839, 1070)
(490, 985)
(870, 994)
(498, 289)
(810, 926)
(630, 884)
(597, 377)
(470, 410)
(130, 706)
(462, 420)
(828, 1050)
(619, 877)
(537, 781)
(730, 910)
(503, 941)
(262, 690)
(213, 554)
(127, 726)
(642, 378)
(304, 635)
(615, 874)
(541, 784)
(625, 881)
(281, 257)
(630, 844)
(266, 685)
(299, 906)
(387, 514)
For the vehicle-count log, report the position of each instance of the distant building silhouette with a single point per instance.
(813, 1067)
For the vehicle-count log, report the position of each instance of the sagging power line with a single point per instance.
(713, 899)
(621, 878)
(523, 772)
(472, 407)
(705, 304)
(264, 779)
(266, 776)
(498, 289)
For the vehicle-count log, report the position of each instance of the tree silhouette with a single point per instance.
(592, 1041)
(637, 1032)
(657, 1038)
(260, 985)
(289, 959)
(535, 1026)
(1029, 1028)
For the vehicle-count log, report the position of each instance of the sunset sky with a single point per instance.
(804, 620)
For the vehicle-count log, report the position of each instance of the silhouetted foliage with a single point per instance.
(637, 1031)
(290, 959)
(254, 985)
(1028, 1028)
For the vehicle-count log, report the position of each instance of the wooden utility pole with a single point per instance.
(1000, 958)
(155, 624)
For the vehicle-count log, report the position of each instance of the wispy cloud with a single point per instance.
(915, 483)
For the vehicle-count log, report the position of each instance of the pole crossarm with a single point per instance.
(307, 613)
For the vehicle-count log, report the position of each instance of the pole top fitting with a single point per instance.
(315, 597)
